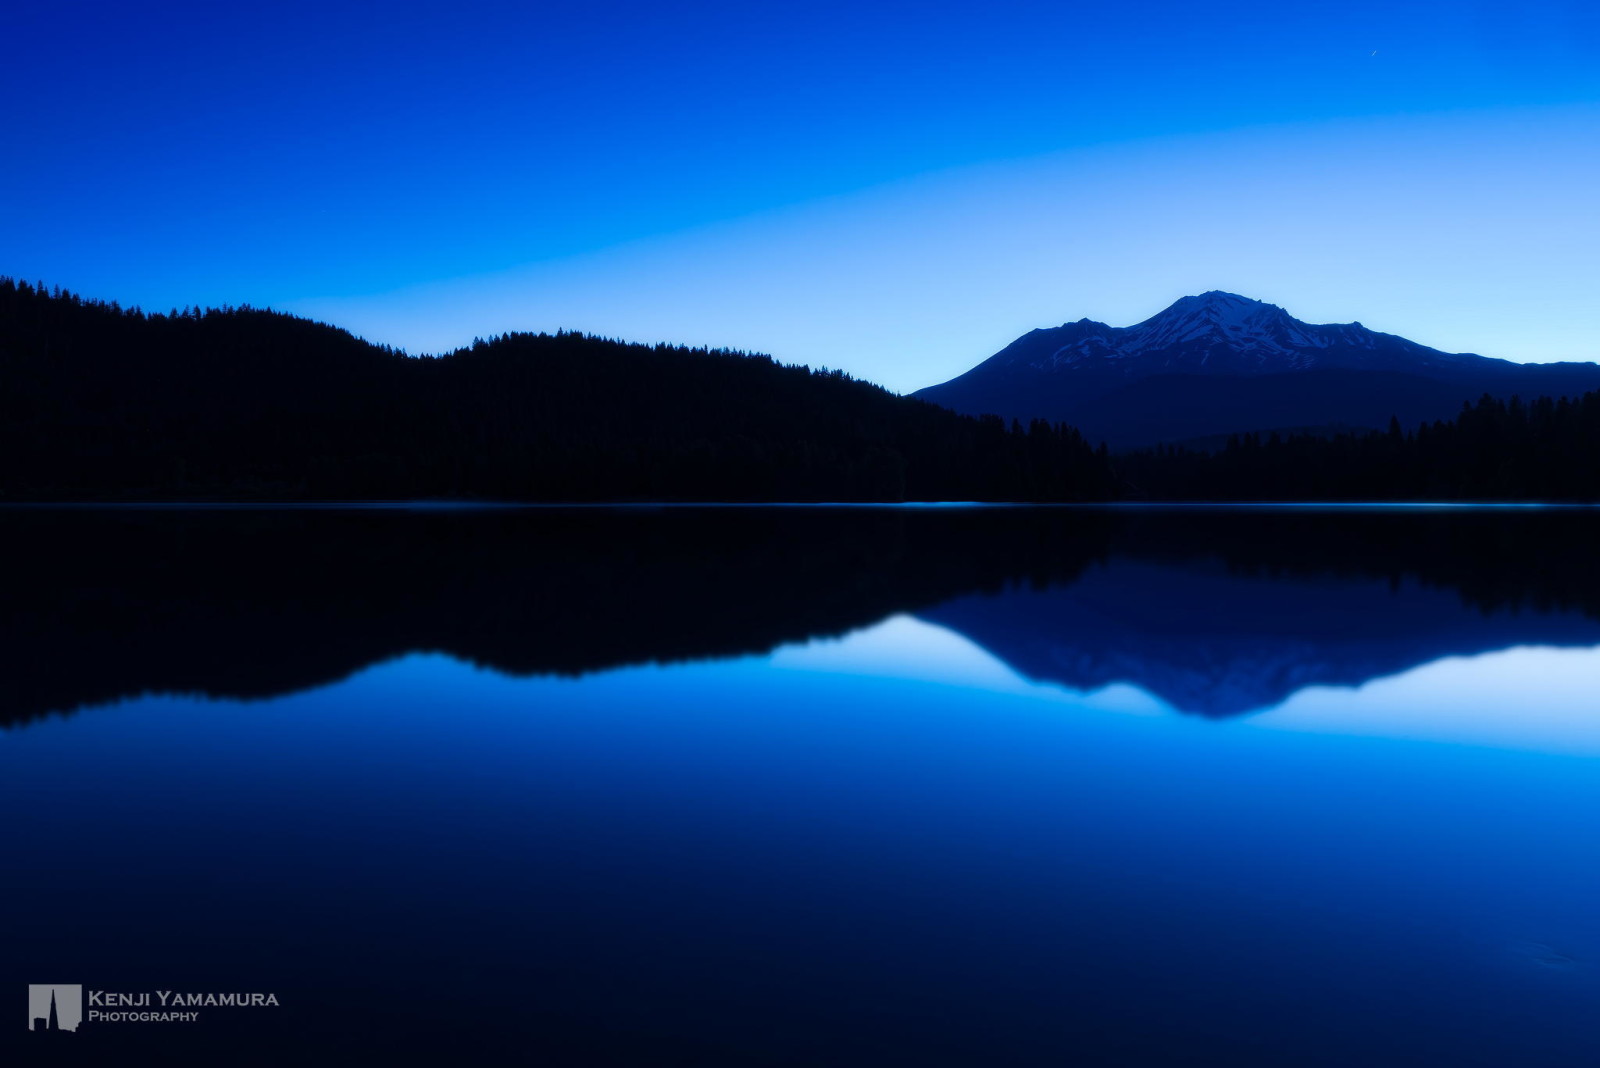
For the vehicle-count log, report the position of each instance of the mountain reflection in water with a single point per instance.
(890, 850)
(1214, 612)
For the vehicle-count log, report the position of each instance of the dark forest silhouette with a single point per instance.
(1496, 449)
(98, 402)
(101, 402)
(249, 603)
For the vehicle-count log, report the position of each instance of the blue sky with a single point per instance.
(893, 188)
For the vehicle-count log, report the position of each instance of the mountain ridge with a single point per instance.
(1090, 373)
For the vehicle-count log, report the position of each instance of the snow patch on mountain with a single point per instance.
(1221, 332)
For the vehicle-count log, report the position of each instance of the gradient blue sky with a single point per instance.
(893, 188)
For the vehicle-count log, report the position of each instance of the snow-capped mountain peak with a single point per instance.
(1218, 362)
(1210, 332)
(1218, 306)
(1217, 316)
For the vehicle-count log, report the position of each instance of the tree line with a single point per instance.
(1497, 449)
(99, 401)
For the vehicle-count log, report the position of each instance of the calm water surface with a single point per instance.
(812, 786)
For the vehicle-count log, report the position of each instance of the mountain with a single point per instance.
(1218, 363)
(101, 402)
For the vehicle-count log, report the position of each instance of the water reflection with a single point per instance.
(1214, 613)
(1219, 640)
(800, 787)
(1527, 697)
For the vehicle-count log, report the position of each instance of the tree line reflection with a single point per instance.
(1217, 613)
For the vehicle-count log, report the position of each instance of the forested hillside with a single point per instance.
(97, 401)
(1546, 450)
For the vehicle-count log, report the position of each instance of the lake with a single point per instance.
(811, 786)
